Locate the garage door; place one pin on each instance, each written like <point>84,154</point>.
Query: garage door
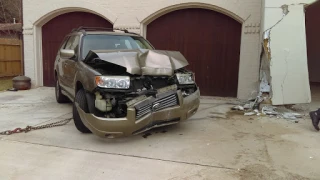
<point>313,39</point>
<point>55,30</point>
<point>209,40</point>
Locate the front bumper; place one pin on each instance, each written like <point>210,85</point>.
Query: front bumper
<point>118,127</point>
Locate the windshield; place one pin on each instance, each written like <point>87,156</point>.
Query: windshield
<point>112,42</point>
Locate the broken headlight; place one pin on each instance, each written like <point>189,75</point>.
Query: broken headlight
<point>185,78</point>
<point>113,82</point>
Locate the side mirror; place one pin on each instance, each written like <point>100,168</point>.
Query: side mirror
<point>67,54</point>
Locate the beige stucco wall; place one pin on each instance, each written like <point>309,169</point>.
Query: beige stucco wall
<point>284,27</point>
<point>135,15</point>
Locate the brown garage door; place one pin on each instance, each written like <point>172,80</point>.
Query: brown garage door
<point>55,30</point>
<point>313,39</point>
<point>209,40</point>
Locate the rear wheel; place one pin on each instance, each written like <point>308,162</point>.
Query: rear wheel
<point>82,101</point>
<point>59,96</point>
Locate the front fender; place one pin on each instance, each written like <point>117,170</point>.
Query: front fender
<point>86,76</point>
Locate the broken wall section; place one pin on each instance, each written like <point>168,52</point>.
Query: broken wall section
<point>285,51</point>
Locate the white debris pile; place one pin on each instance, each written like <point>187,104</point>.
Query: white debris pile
<point>250,105</point>
<point>251,108</point>
<point>271,111</point>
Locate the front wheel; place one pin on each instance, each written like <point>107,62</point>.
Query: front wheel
<point>82,101</point>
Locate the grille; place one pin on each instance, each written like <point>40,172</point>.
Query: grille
<point>166,102</point>
<point>156,105</point>
<point>143,110</point>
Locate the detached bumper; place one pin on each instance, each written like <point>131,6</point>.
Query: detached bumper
<point>130,125</point>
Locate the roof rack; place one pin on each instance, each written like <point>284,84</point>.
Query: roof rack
<point>84,29</point>
<point>133,33</point>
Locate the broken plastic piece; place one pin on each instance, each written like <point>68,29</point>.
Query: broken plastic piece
<point>239,108</point>
<point>250,114</point>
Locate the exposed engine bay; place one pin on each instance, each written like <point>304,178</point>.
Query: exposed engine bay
<point>126,76</point>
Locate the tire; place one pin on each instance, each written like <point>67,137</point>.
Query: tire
<point>59,96</point>
<point>82,101</point>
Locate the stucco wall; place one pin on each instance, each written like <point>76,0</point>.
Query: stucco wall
<point>284,27</point>
<point>134,15</point>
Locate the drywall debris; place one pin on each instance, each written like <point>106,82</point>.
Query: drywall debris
<point>264,84</point>
<point>255,112</point>
<point>269,110</point>
<point>238,108</point>
<point>291,116</point>
<point>251,104</point>
<point>266,44</point>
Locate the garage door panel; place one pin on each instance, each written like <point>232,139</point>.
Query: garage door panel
<point>56,29</point>
<point>209,40</point>
<point>313,38</point>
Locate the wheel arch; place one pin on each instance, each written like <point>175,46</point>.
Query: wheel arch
<point>55,75</point>
<point>78,86</point>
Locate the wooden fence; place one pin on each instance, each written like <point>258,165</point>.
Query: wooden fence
<point>10,57</point>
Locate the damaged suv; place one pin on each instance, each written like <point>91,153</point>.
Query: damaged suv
<point>120,85</point>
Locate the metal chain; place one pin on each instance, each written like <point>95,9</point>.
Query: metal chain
<point>30,128</point>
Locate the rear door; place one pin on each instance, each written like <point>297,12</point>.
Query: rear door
<point>60,65</point>
<point>69,65</point>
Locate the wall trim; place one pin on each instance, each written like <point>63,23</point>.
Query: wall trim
<point>172,8</point>
<point>50,15</point>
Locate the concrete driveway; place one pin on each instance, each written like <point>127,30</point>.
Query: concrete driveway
<point>214,144</point>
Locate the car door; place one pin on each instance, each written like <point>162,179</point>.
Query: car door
<point>60,65</point>
<point>69,65</point>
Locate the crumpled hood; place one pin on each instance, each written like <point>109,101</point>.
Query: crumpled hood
<point>142,62</point>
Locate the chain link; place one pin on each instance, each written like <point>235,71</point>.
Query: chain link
<point>30,128</point>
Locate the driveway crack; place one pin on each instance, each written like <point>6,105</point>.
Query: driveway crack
<point>127,155</point>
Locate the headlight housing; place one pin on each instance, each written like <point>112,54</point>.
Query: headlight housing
<point>185,78</point>
<point>113,82</point>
